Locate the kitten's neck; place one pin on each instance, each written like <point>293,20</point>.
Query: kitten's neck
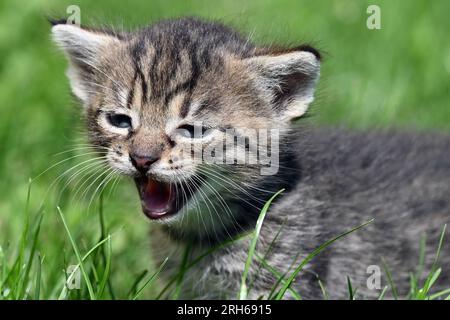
<point>242,209</point>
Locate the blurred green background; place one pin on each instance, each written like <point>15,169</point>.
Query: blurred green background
<point>396,76</point>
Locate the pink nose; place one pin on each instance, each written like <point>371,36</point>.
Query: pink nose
<point>142,163</point>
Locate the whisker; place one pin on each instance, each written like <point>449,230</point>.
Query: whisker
<point>87,147</point>
<point>89,168</point>
<point>103,172</point>
<point>102,185</point>
<point>232,183</point>
<point>222,202</point>
<point>60,162</point>
<point>206,200</point>
<point>64,173</point>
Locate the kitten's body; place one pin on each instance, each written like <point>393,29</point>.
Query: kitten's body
<point>138,88</point>
<point>401,180</point>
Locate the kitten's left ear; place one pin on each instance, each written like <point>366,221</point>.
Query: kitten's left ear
<point>287,79</point>
<point>84,48</point>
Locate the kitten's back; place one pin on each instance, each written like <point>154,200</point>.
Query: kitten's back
<point>401,180</point>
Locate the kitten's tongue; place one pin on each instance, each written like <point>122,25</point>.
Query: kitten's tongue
<point>156,197</point>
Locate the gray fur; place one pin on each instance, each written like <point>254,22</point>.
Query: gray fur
<point>401,180</point>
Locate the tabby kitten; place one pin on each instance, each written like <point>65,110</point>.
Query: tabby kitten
<point>154,97</point>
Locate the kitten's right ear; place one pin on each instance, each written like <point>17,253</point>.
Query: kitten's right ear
<point>287,79</point>
<point>84,49</point>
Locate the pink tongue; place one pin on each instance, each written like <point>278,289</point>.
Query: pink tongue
<point>156,197</point>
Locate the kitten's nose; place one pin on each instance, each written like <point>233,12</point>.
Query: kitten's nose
<point>142,163</point>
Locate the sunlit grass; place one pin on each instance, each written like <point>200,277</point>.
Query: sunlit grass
<point>21,270</point>
<point>396,76</point>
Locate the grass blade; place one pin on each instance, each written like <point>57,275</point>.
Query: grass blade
<point>151,279</point>
<point>390,281</point>
<point>325,294</point>
<point>277,274</point>
<point>432,276</point>
<point>350,289</point>
<point>243,289</point>
<point>273,291</point>
<point>16,270</point>
<point>72,274</point>
<point>24,279</point>
<point>413,282</point>
<point>77,254</point>
<point>422,248</point>
<point>268,252</point>
<point>27,225</point>
<point>182,272</point>
<point>107,271</point>
<point>200,258</point>
<point>439,294</point>
<point>37,290</point>
<point>438,252</point>
<point>382,293</point>
<point>283,290</point>
<point>136,282</point>
<point>104,253</point>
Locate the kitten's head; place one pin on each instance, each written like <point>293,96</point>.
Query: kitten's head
<point>151,95</point>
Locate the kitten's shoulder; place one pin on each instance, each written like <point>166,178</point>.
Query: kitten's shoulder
<point>362,169</point>
<point>343,151</point>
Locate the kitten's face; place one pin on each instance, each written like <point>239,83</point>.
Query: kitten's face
<point>150,128</point>
<point>156,99</point>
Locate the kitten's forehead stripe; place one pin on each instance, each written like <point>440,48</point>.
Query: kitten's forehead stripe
<point>131,92</point>
<point>181,52</point>
<point>143,84</point>
<point>184,108</point>
<point>176,105</point>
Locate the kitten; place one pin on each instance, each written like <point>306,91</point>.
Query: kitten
<point>155,98</point>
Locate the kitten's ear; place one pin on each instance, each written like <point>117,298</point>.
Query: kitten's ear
<point>84,49</point>
<point>287,79</point>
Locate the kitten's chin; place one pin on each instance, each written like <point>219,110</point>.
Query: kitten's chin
<point>161,200</point>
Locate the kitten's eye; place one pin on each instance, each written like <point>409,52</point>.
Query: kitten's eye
<point>119,120</point>
<point>192,131</point>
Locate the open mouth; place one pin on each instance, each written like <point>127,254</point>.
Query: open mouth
<point>160,199</point>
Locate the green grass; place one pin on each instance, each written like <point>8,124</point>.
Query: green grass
<point>397,76</point>
<point>21,275</point>
<point>252,248</point>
